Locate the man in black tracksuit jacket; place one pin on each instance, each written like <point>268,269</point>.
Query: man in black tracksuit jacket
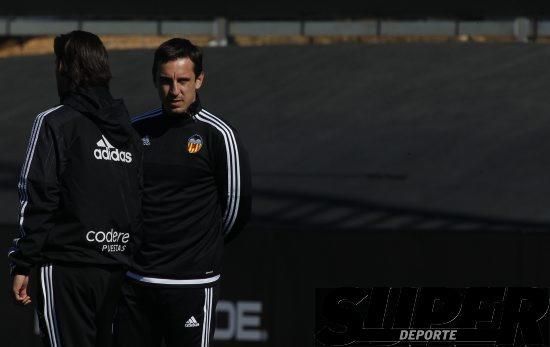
<point>80,200</point>
<point>197,193</point>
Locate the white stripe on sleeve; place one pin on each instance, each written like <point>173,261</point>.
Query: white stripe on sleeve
<point>233,167</point>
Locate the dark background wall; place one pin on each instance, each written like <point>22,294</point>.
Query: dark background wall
<point>373,165</point>
<point>283,9</point>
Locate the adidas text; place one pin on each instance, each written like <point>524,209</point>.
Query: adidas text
<point>109,152</point>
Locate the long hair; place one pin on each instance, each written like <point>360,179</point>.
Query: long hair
<point>82,60</point>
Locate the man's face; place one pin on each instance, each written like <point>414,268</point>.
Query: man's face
<point>177,85</point>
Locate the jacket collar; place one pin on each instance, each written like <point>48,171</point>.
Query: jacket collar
<point>193,109</point>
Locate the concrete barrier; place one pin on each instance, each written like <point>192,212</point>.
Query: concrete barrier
<point>364,27</point>
<point>543,28</point>
<point>41,27</point>
<point>3,26</point>
<point>257,28</point>
<point>521,28</point>
<point>186,28</point>
<point>121,27</point>
<point>492,28</point>
<point>435,28</point>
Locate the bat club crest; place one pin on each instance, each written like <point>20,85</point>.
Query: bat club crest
<point>194,144</point>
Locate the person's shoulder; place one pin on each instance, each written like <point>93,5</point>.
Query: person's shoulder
<point>143,121</point>
<point>55,116</point>
<point>146,116</point>
<point>215,122</point>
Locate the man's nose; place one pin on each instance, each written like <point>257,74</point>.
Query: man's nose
<point>174,88</point>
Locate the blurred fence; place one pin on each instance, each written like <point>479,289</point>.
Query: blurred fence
<point>520,28</point>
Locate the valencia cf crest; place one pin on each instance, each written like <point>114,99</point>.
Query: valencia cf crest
<point>194,144</point>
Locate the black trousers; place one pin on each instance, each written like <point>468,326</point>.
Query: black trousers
<point>76,304</point>
<point>180,316</point>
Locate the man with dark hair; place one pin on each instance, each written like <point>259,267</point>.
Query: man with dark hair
<point>80,197</point>
<point>197,194</point>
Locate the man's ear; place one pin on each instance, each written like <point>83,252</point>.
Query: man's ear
<point>199,80</point>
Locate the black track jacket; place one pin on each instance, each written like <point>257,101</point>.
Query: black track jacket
<point>80,185</point>
<point>197,193</point>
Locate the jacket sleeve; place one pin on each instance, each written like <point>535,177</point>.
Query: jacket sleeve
<point>233,181</point>
<point>38,196</point>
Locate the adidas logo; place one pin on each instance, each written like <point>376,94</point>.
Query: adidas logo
<point>106,151</point>
<point>191,323</point>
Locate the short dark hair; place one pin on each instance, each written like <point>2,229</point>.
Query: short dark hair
<point>175,49</point>
<point>84,60</point>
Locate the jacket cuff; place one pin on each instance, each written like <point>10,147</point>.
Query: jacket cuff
<point>20,270</point>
